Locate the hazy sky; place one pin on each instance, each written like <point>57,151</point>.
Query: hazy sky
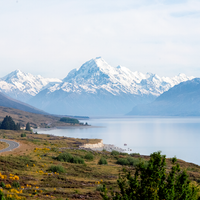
<point>51,37</point>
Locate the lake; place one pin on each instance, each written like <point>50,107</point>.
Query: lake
<point>178,137</point>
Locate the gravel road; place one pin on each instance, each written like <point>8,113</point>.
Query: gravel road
<point>12,145</point>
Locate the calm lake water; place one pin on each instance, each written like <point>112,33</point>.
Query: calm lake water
<point>178,137</point>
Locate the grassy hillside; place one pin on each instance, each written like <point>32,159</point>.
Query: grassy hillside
<point>41,175</point>
<point>36,120</point>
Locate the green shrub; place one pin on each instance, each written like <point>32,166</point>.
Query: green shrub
<point>2,195</point>
<point>130,161</point>
<point>77,160</point>
<point>122,161</point>
<point>57,168</point>
<point>67,157</point>
<point>89,156</point>
<point>134,154</point>
<point>2,184</point>
<point>102,161</point>
<point>114,153</point>
<point>23,135</point>
<point>134,161</point>
<point>16,184</point>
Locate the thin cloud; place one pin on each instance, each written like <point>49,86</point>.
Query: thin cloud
<point>148,36</point>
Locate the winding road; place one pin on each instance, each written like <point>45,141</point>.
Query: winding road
<point>12,145</point>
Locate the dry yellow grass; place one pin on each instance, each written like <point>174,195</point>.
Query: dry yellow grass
<point>3,145</point>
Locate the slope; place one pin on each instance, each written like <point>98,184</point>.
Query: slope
<point>6,101</point>
<point>181,100</point>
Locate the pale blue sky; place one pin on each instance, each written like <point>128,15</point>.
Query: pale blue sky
<point>51,37</point>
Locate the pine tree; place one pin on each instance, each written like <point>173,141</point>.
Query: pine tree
<point>8,123</point>
<point>17,126</point>
<point>28,128</point>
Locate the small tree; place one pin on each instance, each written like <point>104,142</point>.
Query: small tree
<point>17,126</point>
<point>152,182</point>
<point>28,128</point>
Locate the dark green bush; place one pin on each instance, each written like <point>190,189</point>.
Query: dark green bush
<point>2,184</point>
<point>57,168</point>
<point>114,153</point>
<point>77,160</point>
<point>134,154</point>
<point>134,161</point>
<point>130,161</point>
<point>122,161</point>
<point>67,157</point>
<point>23,135</point>
<point>89,156</point>
<point>2,195</point>
<point>16,184</point>
<point>102,161</point>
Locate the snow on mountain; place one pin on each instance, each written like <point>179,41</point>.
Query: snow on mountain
<point>181,100</point>
<point>22,86</point>
<point>97,88</point>
<point>98,74</point>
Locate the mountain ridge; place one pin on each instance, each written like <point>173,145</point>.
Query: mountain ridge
<point>22,86</point>
<point>9,102</point>
<point>181,100</point>
<point>96,88</point>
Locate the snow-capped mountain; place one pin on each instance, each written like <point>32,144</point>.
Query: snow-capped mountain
<point>181,100</point>
<point>97,74</point>
<point>22,86</point>
<point>97,88</point>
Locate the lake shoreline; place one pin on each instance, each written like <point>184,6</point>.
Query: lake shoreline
<point>65,127</point>
<point>173,136</point>
<point>107,147</point>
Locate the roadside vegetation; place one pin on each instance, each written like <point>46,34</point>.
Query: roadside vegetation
<point>51,167</point>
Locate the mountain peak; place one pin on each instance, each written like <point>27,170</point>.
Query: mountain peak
<point>90,70</point>
<point>14,74</point>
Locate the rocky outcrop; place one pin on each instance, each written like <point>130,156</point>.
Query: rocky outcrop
<point>91,146</point>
